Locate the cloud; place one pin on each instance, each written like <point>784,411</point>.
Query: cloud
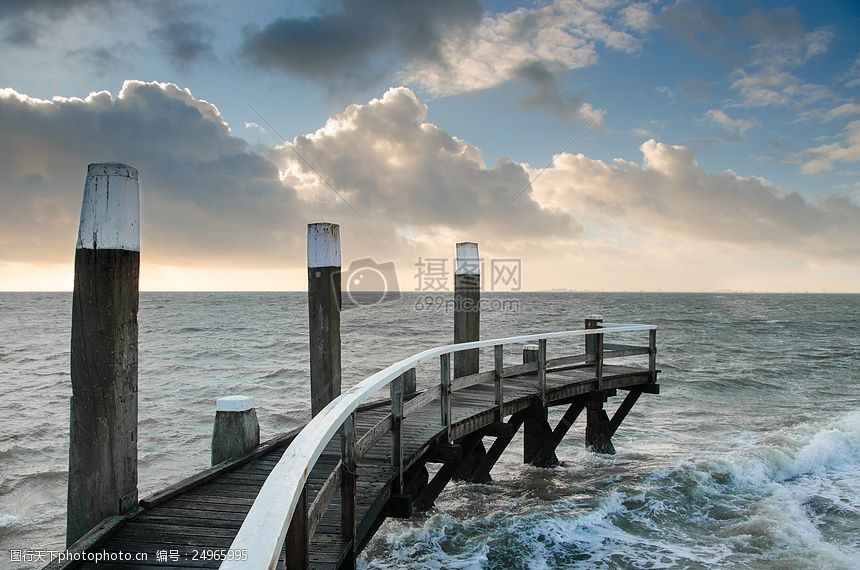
<point>254,126</point>
<point>184,42</point>
<point>670,193</point>
<point>392,165</point>
<point>844,110</point>
<point>821,158</point>
<point>559,36</point>
<point>205,194</point>
<point>549,94</point>
<point>738,125</point>
<point>357,42</point>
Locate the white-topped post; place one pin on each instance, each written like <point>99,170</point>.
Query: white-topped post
<point>324,303</point>
<point>103,407</point>
<point>236,429</point>
<point>467,307</point>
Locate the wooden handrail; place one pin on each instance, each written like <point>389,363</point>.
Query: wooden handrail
<point>265,528</point>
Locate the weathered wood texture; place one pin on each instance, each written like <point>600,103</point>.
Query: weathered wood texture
<point>103,407</point>
<point>233,434</point>
<point>324,302</point>
<point>467,321</point>
<point>209,512</point>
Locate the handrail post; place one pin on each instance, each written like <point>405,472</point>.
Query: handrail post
<point>445,381</point>
<point>542,369</point>
<point>297,534</point>
<point>598,362</point>
<point>652,354</point>
<point>396,389</point>
<point>499,357</point>
<point>347,484</point>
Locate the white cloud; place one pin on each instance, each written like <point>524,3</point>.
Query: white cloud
<point>721,118</point>
<point>844,110</point>
<point>561,35</point>
<point>638,17</point>
<point>670,193</point>
<point>250,125</point>
<point>821,158</point>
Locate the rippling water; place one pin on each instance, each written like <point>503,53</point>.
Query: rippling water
<point>750,457</point>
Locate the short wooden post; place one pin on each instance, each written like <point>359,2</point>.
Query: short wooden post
<point>445,382</point>
<point>324,303</point>
<point>541,372</point>
<point>467,307</point>
<point>499,361</point>
<point>591,322</point>
<point>103,407</point>
<point>236,428</point>
<point>396,389</point>
<point>652,354</point>
<point>347,487</point>
<point>410,382</point>
<point>296,542</point>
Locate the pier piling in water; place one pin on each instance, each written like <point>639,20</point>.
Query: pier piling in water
<point>103,407</point>
<point>236,429</point>
<point>597,425</point>
<point>536,428</point>
<point>324,303</point>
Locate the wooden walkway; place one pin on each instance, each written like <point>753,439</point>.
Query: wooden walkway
<point>204,513</point>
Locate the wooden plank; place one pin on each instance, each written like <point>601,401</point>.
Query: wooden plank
<point>218,470</point>
<point>91,540</point>
<point>566,361</point>
<point>296,542</point>
<point>458,384</point>
<point>369,439</point>
<point>418,402</point>
<point>323,498</point>
<point>519,369</point>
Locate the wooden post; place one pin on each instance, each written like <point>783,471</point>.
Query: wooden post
<point>536,429</point>
<point>596,418</point>
<point>410,382</point>
<point>445,381</point>
<point>347,488</point>
<point>541,372</point>
<point>296,542</point>
<point>652,354</point>
<point>499,361</point>
<point>396,389</point>
<point>324,302</point>
<point>467,307</point>
<point>103,407</point>
<point>236,428</point>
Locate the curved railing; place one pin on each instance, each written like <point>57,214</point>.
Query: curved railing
<point>262,535</point>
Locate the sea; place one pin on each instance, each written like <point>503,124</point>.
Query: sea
<point>748,458</point>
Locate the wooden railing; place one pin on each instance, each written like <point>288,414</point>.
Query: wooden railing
<point>281,504</point>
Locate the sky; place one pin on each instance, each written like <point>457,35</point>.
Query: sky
<point>602,145</point>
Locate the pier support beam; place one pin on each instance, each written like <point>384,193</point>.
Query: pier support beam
<point>236,428</point>
<point>467,307</point>
<point>324,303</point>
<point>536,428</point>
<point>598,429</point>
<point>103,407</point>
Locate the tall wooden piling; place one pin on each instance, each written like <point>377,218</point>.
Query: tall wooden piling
<point>467,307</point>
<point>103,407</point>
<point>236,428</point>
<point>324,303</point>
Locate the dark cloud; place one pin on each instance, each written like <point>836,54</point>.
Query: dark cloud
<point>357,41</point>
<point>185,42</point>
<point>204,192</point>
<point>180,35</point>
<point>549,94</point>
<point>103,59</point>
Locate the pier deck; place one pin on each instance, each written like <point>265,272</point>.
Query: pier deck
<point>204,512</point>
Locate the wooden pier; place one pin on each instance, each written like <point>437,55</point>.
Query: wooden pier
<point>314,497</point>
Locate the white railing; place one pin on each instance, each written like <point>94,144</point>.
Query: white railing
<point>261,537</point>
